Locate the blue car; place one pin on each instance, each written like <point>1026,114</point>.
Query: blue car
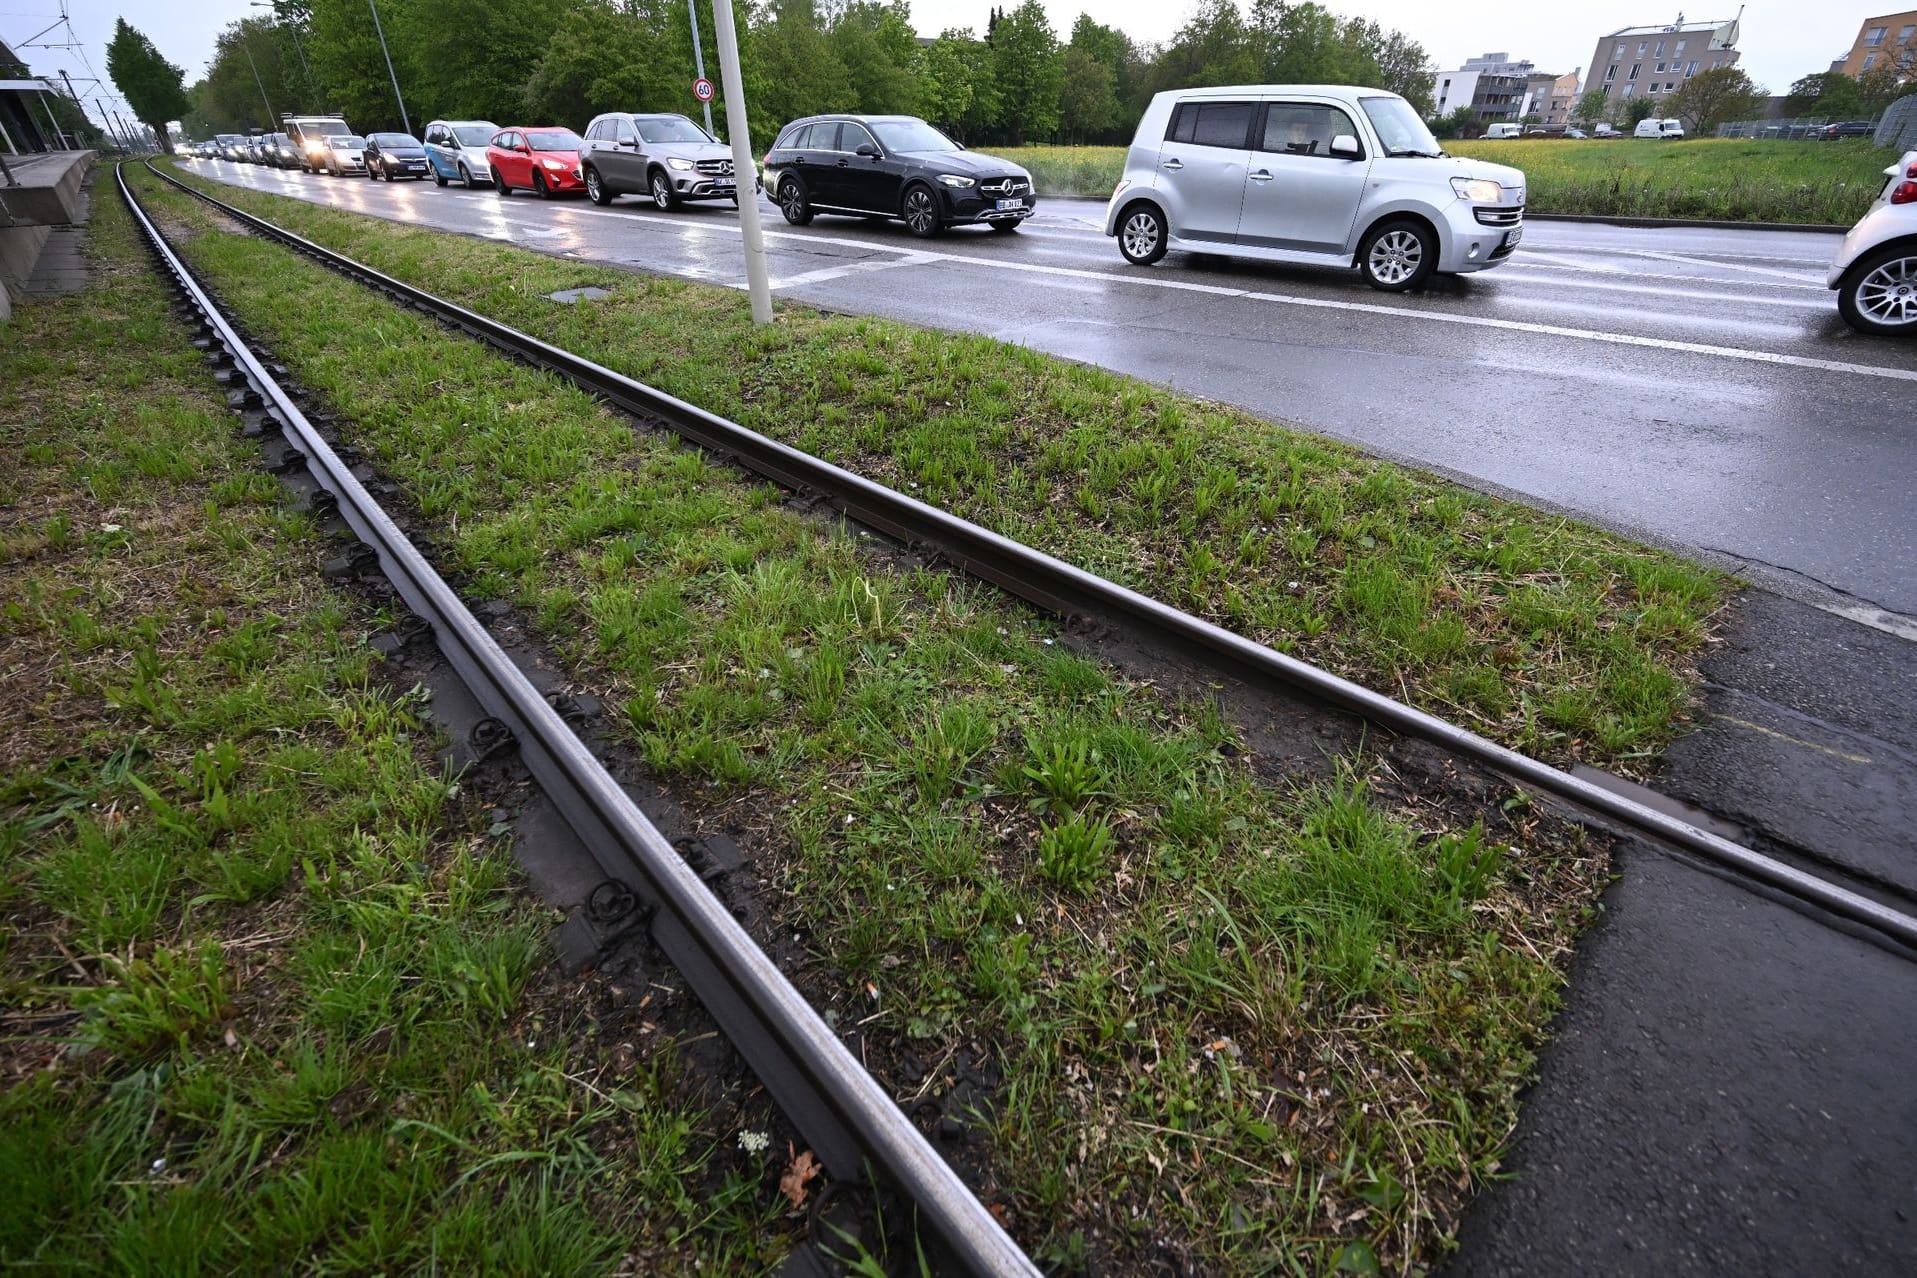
<point>456,151</point>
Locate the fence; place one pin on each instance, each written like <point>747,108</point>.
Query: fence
<point>1796,128</point>
<point>1898,128</point>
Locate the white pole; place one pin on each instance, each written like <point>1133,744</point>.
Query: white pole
<point>698,54</point>
<point>757,285</point>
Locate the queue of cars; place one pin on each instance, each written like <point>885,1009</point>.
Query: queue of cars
<point>1323,175</point>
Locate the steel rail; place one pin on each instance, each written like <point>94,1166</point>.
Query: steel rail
<point>852,1124</point>
<point>1062,588</point>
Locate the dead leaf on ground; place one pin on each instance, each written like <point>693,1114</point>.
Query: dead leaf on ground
<point>798,1173</point>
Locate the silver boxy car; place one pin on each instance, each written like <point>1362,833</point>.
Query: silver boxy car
<point>456,151</point>
<point>1324,175</point>
<point>667,157</point>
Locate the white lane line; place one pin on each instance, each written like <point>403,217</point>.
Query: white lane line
<point>1143,279</point>
<point>1529,259</point>
<point>1799,277</point>
<point>1514,271</point>
<point>826,274</point>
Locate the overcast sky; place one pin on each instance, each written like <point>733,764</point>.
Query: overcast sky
<point>1782,39</point>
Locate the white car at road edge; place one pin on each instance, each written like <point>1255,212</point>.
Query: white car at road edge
<point>1875,271</point>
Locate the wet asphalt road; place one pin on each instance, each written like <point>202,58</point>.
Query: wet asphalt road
<point>1729,1086</point>
<point>1691,387</point>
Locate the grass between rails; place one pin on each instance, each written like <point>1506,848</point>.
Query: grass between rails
<point>1262,1024</point>
<point>1543,633</point>
<point>270,998</point>
<point>1708,178</point>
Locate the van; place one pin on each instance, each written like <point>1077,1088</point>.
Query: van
<point>1325,175</point>
<point>1498,132</point>
<point>1602,130</point>
<point>1654,128</point>
<point>308,134</point>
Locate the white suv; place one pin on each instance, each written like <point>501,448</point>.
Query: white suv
<point>1325,175</point>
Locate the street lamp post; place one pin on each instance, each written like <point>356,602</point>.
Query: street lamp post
<point>389,67</point>
<point>270,117</point>
<point>758,288</point>
<point>698,54</point>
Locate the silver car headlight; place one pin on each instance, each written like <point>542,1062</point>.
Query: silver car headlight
<point>683,165</point>
<point>957,179</point>
<point>1477,190</point>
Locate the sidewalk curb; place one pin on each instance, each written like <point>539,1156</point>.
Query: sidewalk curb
<point>1702,224</point>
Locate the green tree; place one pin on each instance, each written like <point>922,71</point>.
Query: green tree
<point>1028,69</point>
<point>150,84</point>
<point>796,70</point>
<point>1877,88</point>
<point>880,53</point>
<point>471,58</point>
<point>1087,100</point>
<point>600,57</point>
<point>1635,110</point>
<point>1595,105</point>
<point>348,68</point>
<point>1715,97</point>
<point>1113,50</point>
<point>950,79</point>
<point>1831,94</point>
<point>1213,47</point>
<point>1459,123</point>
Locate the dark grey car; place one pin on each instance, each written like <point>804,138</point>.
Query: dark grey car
<point>665,157</point>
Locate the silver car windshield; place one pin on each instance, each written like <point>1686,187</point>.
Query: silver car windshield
<point>347,141</point>
<point>476,136</point>
<point>671,129</point>
<point>1399,127</point>
<point>912,136</point>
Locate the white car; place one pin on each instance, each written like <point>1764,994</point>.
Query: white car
<point>345,153</point>
<point>1875,271</point>
<point>1324,175</point>
<point>1653,128</point>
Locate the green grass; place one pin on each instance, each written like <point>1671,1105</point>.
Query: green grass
<point>1264,1020</point>
<point>1544,633</point>
<point>272,999</point>
<point>1707,178</point>
<point>1729,179</point>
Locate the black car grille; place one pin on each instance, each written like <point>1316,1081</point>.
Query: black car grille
<point>1503,218</point>
<point>715,168</point>
<point>1004,186</point>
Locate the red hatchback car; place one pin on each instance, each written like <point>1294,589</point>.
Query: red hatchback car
<point>542,160</point>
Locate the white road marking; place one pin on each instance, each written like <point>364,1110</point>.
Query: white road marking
<point>1134,277</point>
<point>828,273</point>
<point>1515,271</point>
<point>1528,260</point>
<point>1891,623</point>
<point>1798,277</point>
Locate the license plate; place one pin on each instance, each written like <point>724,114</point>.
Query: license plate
<point>1511,238</point>
<point>1011,204</point>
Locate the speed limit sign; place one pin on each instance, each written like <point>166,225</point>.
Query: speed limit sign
<point>702,89</point>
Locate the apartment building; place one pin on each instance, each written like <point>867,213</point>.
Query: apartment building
<point>1654,61</point>
<point>1553,97</point>
<point>1889,40</point>
<point>1496,87</point>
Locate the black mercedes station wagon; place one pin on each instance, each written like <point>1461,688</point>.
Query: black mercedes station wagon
<point>892,166</point>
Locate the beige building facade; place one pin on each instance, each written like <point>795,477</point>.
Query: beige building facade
<point>1655,61</point>
<point>1886,41</point>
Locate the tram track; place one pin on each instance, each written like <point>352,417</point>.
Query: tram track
<point>853,1126</point>
<point>1090,601</point>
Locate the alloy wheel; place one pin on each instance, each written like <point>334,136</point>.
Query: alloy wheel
<point>661,191</point>
<point>1888,295</point>
<point>920,215</point>
<point>1395,257</point>
<point>593,191</point>
<point>1141,234</point>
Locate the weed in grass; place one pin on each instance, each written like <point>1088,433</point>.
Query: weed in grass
<point>156,1002</point>
<point>1073,853</point>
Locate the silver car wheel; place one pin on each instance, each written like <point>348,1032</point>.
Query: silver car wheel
<point>1141,234</point>
<point>661,191</point>
<point>592,185</point>
<point>1888,295</point>
<point>1395,257</point>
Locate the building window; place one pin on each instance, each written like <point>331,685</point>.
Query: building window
<point>1678,52</point>
<point>1660,68</point>
<point>1627,90</point>
<point>1669,85</point>
<point>1642,45</point>
<point>1693,70</point>
<point>1660,50</point>
<point>1875,36</point>
<point>1903,36</point>
<point>1618,52</point>
<point>1635,68</point>
<point>1868,59</point>
<point>1610,73</point>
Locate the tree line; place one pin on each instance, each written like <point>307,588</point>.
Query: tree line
<point>1012,80</point>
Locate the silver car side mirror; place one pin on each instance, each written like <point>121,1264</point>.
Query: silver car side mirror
<point>1346,145</point>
